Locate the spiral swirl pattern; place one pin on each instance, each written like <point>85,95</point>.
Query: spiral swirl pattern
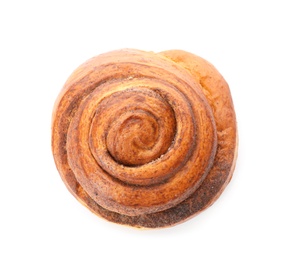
<point>135,137</point>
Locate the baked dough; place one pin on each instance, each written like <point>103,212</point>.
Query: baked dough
<point>145,139</point>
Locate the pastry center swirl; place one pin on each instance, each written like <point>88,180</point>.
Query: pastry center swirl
<point>136,128</point>
<point>142,130</point>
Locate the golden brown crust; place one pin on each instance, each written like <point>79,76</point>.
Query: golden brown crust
<point>144,139</point>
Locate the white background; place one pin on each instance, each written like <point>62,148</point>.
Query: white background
<point>42,42</point>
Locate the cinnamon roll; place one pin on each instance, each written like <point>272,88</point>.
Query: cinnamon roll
<point>145,139</point>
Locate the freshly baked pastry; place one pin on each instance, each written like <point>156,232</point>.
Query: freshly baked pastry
<point>145,139</point>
